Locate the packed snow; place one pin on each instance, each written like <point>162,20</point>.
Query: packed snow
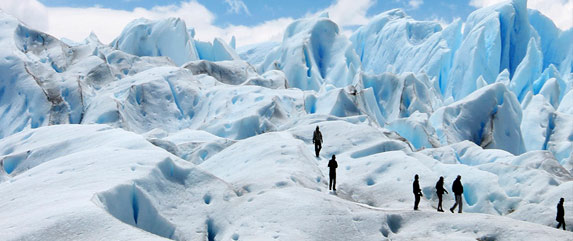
<point>161,136</point>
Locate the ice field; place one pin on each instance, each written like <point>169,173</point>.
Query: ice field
<point>157,135</point>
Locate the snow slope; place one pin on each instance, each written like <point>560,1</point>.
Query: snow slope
<point>160,136</point>
<point>146,187</point>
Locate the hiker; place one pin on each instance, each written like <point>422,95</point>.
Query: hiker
<point>458,189</point>
<point>417,192</point>
<point>440,191</point>
<point>332,164</point>
<point>560,214</point>
<point>317,141</point>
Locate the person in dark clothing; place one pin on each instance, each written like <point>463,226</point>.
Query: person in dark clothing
<point>332,164</point>
<point>440,191</point>
<point>417,192</point>
<point>317,141</point>
<point>560,214</point>
<point>458,190</point>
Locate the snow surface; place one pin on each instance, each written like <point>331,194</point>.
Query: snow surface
<point>160,136</point>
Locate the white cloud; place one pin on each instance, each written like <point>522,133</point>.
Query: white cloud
<point>268,31</point>
<point>349,12</point>
<point>560,11</point>
<point>415,3</point>
<point>236,6</point>
<point>77,23</point>
<point>30,12</point>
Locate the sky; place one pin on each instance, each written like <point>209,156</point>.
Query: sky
<point>250,21</point>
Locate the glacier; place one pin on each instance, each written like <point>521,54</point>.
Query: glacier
<point>313,52</point>
<point>170,38</point>
<point>158,135</point>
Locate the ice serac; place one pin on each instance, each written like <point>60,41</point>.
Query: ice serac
<point>163,97</point>
<point>274,79</point>
<point>394,42</point>
<point>566,105</point>
<point>551,85</point>
<point>398,96</point>
<point>124,65</point>
<point>560,140</point>
<point>44,81</point>
<point>467,153</point>
<point>337,103</point>
<point>489,117</point>
<point>537,123</point>
<point>416,129</point>
<point>238,72</point>
<point>239,112</point>
<point>556,44</point>
<point>228,72</point>
<point>23,102</point>
<point>255,54</point>
<point>216,51</point>
<point>527,71</point>
<point>495,38</point>
<point>477,56</point>
<point>314,52</point>
<point>168,37</point>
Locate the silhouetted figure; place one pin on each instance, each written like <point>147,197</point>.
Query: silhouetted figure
<point>417,192</point>
<point>317,141</point>
<point>440,191</point>
<point>560,214</point>
<point>332,164</point>
<point>458,190</point>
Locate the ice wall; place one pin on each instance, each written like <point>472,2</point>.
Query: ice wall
<point>216,51</point>
<point>170,38</point>
<point>167,37</point>
<point>394,42</point>
<point>489,117</point>
<point>313,53</point>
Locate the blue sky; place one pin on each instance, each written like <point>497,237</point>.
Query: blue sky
<point>264,10</point>
<point>250,21</point>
